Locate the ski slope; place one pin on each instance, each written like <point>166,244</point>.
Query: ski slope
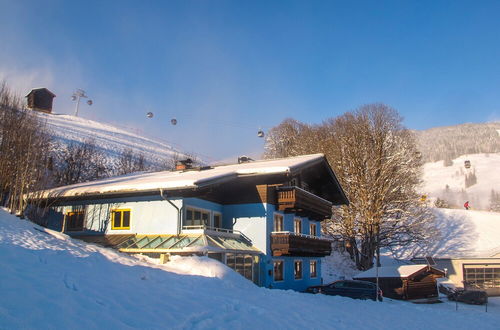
<point>50,281</point>
<point>486,167</point>
<point>66,129</point>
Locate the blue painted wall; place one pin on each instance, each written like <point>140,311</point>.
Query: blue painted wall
<point>147,215</point>
<point>289,282</point>
<point>251,220</point>
<point>153,215</point>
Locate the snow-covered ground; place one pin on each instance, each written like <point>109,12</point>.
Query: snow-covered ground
<point>50,281</point>
<point>112,140</point>
<point>486,167</point>
<point>459,233</point>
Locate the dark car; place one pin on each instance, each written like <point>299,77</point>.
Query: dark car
<point>348,288</point>
<point>474,297</point>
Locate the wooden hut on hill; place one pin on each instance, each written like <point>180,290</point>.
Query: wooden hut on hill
<point>405,282</point>
<point>40,99</point>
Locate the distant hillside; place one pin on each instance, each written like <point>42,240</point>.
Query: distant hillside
<point>66,130</point>
<point>453,183</point>
<point>450,142</point>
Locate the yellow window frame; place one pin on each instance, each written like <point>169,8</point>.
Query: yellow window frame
<point>72,213</point>
<point>121,227</point>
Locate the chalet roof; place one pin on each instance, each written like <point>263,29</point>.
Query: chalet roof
<point>39,89</point>
<point>191,179</point>
<point>405,271</point>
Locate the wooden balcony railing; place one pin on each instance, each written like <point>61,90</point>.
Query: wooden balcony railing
<point>302,202</point>
<point>290,244</point>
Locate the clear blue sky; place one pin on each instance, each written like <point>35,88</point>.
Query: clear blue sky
<point>226,68</point>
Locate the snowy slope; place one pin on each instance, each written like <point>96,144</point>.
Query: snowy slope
<point>486,168</point>
<point>50,281</point>
<point>460,233</point>
<point>112,140</point>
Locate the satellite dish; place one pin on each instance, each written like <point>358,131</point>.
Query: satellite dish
<point>260,133</point>
<point>89,102</point>
<point>73,98</point>
<point>149,115</point>
<point>173,121</point>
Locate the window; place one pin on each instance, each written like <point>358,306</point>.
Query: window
<point>297,226</point>
<point>483,277</point>
<point>120,219</point>
<point>278,270</point>
<point>312,229</point>
<point>196,217</point>
<point>313,269</point>
<point>217,220</point>
<point>278,222</point>
<point>297,269</point>
<point>74,221</point>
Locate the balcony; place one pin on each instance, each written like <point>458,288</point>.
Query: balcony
<point>303,203</point>
<point>203,229</point>
<point>285,243</point>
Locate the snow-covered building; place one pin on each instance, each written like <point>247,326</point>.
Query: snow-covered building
<point>405,281</point>
<point>261,218</point>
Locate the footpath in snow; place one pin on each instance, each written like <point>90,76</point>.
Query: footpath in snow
<point>50,281</point>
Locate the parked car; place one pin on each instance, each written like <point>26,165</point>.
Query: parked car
<point>474,297</point>
<point>348,288</point>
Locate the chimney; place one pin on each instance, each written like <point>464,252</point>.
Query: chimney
<point>244,159</point>
<point>185,164</point>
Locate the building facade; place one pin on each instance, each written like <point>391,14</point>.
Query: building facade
<point>262,218</point>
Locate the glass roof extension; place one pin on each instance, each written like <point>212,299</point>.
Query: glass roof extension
<point>186,243</point>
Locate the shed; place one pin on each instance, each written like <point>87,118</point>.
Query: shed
<point>405,282</point>
<point>40,99</point>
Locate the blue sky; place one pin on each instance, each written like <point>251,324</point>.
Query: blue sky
<point>224,69</point>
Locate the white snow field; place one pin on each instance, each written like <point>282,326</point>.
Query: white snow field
<point>50,281</point>
<point>486,168</point>
<point>461,233</point>
<point>111,139</point>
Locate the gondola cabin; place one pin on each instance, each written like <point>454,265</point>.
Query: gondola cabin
<point>40,99</point>
<point>467,164</point>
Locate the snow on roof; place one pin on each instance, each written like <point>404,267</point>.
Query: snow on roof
<point>398,271</point>
<point>170,180</point>
<point>40,88</point>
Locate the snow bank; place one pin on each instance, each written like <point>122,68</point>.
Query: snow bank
<point>50,281</point>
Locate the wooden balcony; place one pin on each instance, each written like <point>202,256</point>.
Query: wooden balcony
<point>303,203</point>
<point>290,244</point>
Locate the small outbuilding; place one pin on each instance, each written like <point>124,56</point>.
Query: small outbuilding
<point>40,99</point>
<point>405,282</point>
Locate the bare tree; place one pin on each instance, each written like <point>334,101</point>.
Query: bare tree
<point>24,150</point>
<point>80,162</point>
<point>130,162</point>
<point>378,164</point>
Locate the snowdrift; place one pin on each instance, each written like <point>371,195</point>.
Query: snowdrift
<point>50,281</point>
